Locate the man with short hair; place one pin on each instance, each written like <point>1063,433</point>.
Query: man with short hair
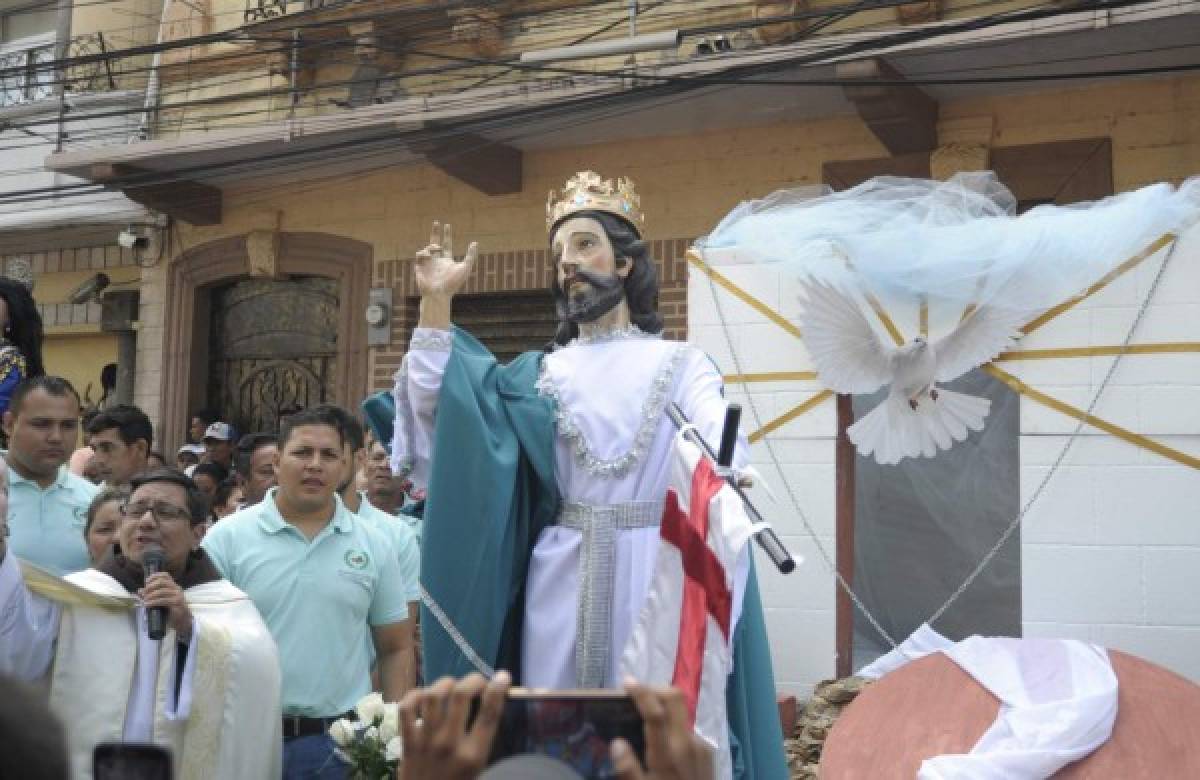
<point>385,491</point>
<point>122,437</point>
<point>315,570</point>
<point>208,690</point>
<point>402,538</point>
<point>47,509</point>
<point>256,464</point>
<point>218,445</point>
<point>198,424</point>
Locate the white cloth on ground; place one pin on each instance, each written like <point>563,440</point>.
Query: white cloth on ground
<point>603,388</point>
<point>1058,702</point>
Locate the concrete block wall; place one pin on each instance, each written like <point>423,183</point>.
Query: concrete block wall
<point>795,462</point>
<point>1111,551</point>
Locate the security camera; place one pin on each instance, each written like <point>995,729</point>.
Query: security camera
<point>130,240</point>
<point>89,289</point>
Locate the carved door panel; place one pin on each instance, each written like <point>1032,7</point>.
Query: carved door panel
<point>274,349</point>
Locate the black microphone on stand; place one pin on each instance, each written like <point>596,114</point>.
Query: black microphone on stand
<point>153,561</point>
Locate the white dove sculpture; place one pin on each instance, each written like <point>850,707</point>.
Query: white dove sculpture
<point>917,418</point>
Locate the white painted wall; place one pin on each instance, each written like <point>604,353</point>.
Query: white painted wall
<point>22,158</point>
<point>1111,550</point>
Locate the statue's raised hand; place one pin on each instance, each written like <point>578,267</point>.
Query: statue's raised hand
<point>437,273</point>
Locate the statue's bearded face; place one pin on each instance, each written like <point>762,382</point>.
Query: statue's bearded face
<point>587,270</point>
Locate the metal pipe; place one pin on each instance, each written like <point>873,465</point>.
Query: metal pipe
<point>294,72</point>
<point>766,538</point>
<point>152,85</point>
<point>126,365</point>
<point>649,42</point>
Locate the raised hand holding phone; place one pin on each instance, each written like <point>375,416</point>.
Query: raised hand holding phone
<point>673,751</point>
<point>433,724</point>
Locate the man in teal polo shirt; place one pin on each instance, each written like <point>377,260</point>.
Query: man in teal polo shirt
<point>47,506</point>
<point>325,582</point>
<point>398,533</point>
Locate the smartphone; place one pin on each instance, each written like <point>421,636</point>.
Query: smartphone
<point>130,761</point>
<point>574,727</point>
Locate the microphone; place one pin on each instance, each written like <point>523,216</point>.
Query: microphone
<point>153,562</point>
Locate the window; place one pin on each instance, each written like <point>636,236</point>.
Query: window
<point>27,39</point>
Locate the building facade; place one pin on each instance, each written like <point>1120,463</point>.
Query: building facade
<point>60,232</point>
<point>344,132</point>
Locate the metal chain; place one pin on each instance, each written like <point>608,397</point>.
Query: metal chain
<point>829,564</point>
<point>487,671</point>
<point>1016,522</point>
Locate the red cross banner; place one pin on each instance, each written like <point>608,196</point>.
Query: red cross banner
<point>683,636</point>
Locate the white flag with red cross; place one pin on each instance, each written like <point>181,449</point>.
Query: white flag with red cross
<point>683,636</point>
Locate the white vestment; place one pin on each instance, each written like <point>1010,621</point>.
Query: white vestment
<point>609,398</point>
<point>109,682</point>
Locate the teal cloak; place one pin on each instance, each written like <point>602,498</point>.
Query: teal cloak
<point>491,492</point>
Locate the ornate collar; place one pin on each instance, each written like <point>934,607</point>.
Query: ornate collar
<point>614,333</point>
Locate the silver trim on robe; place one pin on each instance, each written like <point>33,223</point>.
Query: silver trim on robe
<point>597,564</point>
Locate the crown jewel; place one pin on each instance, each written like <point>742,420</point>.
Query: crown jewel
<point>586,191</point>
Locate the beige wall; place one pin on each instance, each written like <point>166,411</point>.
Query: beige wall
<point>687,182</point>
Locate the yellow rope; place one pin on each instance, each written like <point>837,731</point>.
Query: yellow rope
<point>1121,433</point>
<point>694,258</point>
<point>776,376</point>
<point>787,417</point>
<point>1161,348</point>
<point>1104,281</point>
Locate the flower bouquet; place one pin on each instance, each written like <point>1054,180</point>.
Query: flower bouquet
<point>370,745</point>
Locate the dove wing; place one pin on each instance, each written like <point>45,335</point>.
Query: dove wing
<point>847,352</point>
<point>978,339</point>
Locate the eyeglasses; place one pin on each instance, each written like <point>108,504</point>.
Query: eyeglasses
<point>162,511</point>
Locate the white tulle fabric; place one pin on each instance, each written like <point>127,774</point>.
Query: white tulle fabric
<point>957,241</point>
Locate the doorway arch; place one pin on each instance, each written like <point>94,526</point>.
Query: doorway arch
<point>190,282</point>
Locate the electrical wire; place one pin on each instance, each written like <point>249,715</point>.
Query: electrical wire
<point>466,62</point>
<point>703,82</point>
<point>283,91</point>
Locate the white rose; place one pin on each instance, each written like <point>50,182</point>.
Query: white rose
<point>394,750</point>
<point>369,708</point>
<point>342,732</point>
<point>389,727</point>
<point>371,733</point>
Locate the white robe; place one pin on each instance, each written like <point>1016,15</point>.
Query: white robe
<point>603,388</point>
<point>109,682</point>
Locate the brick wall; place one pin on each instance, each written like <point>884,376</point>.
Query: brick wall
<point>522,269</point>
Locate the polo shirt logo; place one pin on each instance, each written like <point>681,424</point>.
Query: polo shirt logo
<point>356,559</point>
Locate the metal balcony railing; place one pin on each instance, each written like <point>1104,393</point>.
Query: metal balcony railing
<point>262,10</point>
<point>31,74</point>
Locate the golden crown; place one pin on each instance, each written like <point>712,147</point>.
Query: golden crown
<point>586,191</point>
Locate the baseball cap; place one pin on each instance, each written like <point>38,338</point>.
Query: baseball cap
<point>195,449</point>
<point>219,430</point>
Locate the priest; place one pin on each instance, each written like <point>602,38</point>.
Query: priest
<point>207,690</point>
<point>546,477</point>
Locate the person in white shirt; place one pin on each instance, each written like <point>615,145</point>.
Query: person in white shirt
<point>208,689</point>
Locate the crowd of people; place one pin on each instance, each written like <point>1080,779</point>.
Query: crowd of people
<point>247,554</point>
<point>236,606</point>
<point>305,528</point>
